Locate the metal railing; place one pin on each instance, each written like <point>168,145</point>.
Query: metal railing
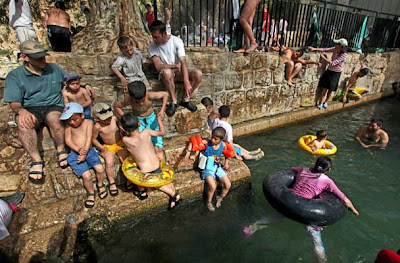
<point>279,23</point>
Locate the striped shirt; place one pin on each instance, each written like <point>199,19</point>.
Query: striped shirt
<point>337,59</point>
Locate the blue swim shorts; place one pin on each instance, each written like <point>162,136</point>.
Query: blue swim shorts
<point>150,122</point>
<point>92,159</point>
<point>216,172</point>
<point>238,151</point>
<point>88,114</point>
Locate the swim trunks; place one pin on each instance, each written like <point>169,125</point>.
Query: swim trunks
<point>150,122</point>
<point>60,38</point>
<point>116,147</point>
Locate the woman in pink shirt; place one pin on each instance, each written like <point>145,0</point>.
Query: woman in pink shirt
<point>310,182</point>
<point>330,79</point>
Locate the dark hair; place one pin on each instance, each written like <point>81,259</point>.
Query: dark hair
<point>224,111</point>
<point>124,41</point>
<point>301,51</point>
<point>323,164</point>
<point>137,90</point>
<point>377,121</point>
<point>364,71</point>
<point>344,50</point>
<point>206,101</point>
<point>60,5</point>
<point>219,132</point>
<point>157,25</point>
<point>129,122</point>
<point>147,5</point>
<point>321,134</point>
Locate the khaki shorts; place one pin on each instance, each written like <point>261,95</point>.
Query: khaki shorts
<point>25,33</point>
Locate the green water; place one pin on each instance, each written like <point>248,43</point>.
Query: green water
<point>370,178</point>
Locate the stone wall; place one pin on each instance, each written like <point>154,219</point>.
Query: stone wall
<point>253,85</point>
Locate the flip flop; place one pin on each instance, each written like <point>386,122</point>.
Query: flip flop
<point>62,159</point>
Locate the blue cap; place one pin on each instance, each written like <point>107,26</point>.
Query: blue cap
<point>71,76</point>
<point>70,109</point>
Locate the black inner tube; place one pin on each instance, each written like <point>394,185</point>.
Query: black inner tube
<point>325,210</point>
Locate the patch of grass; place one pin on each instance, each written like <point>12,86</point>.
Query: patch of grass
<point>5,52</point>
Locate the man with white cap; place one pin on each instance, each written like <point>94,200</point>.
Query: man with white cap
<point>33,91</point>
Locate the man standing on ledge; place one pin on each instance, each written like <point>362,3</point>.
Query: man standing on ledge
<point>373,135</point>
<point>168,55</point>
<point>33,91</point>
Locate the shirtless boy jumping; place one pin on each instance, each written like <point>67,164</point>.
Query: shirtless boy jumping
<point>372,134</point>
<point>142,106</point>
<point>107,128</point>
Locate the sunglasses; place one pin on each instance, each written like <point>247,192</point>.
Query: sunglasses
<point>104,111</point>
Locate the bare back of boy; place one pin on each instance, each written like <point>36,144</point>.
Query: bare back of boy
<point>142,150</point>
<point>81,97</point>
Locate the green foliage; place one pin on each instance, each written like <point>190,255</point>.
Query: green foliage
<point>4,52</point>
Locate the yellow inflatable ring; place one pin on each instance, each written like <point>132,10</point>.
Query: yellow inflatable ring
<point>133,174</point>
<point>306,139</point>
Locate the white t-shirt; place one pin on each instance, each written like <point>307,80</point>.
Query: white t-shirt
<point>5,218</point>
<point>169,52</point>
<point>19,14</point>
<point>228,128</point>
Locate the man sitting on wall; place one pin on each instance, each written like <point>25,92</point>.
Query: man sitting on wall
<point>168,55</point>
<point>33,91</point>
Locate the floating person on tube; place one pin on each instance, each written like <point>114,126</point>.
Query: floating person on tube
<point>310,183</point>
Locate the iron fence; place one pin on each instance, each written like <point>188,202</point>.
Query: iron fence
<point>279,23</point>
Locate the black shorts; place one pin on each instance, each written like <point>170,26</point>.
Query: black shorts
<point>60,38</point>
<point>329,80</point>
<point>40,112</point>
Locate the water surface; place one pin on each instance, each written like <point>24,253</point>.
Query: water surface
<point>369,177</point>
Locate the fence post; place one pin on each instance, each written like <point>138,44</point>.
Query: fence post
<point>155,10</point>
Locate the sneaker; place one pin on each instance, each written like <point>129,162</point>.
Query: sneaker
<point>210,206</point>
<point>189,105</point>
<point>319,106</point>
<point>259,156</point>
<point>325,105</point>
<point>171,108</point>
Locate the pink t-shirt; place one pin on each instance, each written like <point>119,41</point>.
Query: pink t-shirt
<point>309,185</point>
<point>337,59</point>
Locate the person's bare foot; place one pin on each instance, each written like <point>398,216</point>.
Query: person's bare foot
<point>240,50</point>
<point>252,48</point>
<point>291,84</point>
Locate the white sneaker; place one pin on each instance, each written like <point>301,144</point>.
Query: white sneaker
<point>259,156</point>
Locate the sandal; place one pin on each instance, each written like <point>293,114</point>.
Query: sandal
<point>113,192</point>
<point>35,173</point>
<point>62,159</point>
<point>210,206</point>
<point>102,194</point>
<point>219,201</point>
<point>139,194</point>
<point>173,200</point>
<point>89,203</point>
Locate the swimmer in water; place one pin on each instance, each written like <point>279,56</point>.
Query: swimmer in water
<point>373,135</point>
